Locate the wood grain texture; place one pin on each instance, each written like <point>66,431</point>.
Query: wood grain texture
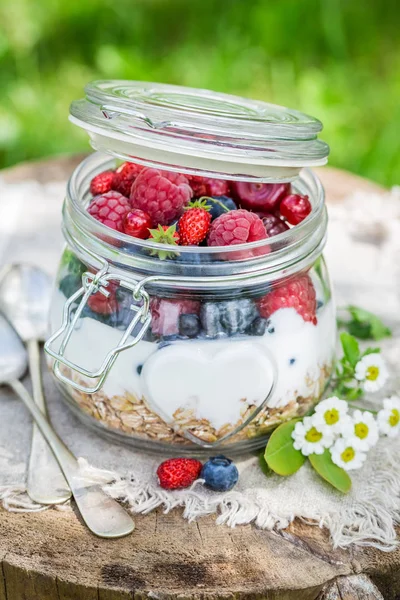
<point>51,555</point>
<point>349,588</point>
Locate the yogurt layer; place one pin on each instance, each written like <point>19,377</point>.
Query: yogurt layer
<point>217,380</point>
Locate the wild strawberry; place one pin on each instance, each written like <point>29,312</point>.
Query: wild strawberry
<point>161,194</point>
<point>102,183</point>
<point>177,473</point>
<point>295,208</point>
<point>110,209</point>
<point>124,177</point>
<point>164,235</point>
<point>259,197</point>
<point>194,223</point>
<point>137,223</point>
<point>297,293</point>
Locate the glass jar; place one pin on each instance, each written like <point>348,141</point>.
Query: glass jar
<point>186,348</point>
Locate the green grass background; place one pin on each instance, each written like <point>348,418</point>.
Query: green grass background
<point>336,59</point>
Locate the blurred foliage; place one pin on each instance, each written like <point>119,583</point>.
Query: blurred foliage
<point>336,59</point>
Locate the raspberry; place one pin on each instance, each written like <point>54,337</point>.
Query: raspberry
<point>178,473</point>
<point>273,224</point>
<point>102,305</point>
<point>124,177</point>
<point>262,197</point>
<point>203,186</point>
<point>161,194</point>
<point>137,224</point>
<point>110,209</point>
<point>198,185</point>
<point>236,227</point>
<point>217,187</point>
<point>102,183</point>
<point>165,314</point>
<point>295,208</point>
<point>297,293</point>
<point>194,223</point>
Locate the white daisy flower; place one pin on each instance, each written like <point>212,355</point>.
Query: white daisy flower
<point>345,455</point>
<point>331,415</point>
<point>371,371</point>
<point>389,417</point>
<point>309,439</point>
<point>362,430</point>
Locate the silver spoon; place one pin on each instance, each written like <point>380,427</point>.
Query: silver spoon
<point>25,293</point>
<point>103,515</point>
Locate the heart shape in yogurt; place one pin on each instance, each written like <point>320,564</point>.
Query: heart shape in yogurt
<point>208,390</point>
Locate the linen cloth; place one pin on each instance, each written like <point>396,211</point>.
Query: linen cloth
<point>363,255</point>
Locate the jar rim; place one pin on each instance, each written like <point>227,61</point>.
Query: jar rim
<point>285,248</point>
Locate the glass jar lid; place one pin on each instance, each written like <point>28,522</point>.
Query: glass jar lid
<point>198,131</point>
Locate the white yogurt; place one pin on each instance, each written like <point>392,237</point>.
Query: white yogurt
<point>216,379</point>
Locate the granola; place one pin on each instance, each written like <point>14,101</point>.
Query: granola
<point>133,416</point>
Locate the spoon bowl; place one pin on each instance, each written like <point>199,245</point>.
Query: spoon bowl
<point>13,356</point>
<point>25,293</point>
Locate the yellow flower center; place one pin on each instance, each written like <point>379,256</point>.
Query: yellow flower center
<point>394,418</point>
<point>331,416</point>
<point>313,435</point>
<point>348,454</point>
<point>361,430</point>
<point>372,373</point>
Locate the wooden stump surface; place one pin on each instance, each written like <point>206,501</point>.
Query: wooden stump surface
<point>51,555</point>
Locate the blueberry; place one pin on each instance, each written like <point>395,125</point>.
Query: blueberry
<point>319,304</point>
<point>237,315</point>
<point>257,327</point>
<point>139,369</point>
<point>217,207</point>
<point>210,320</point>
<point>189,325</point>
<point>292,361</point>
<point>70,284</point>
<point>219,473</point>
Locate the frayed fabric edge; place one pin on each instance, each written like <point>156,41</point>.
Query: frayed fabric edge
<point>369,521</point>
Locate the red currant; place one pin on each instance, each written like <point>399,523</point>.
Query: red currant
<point>295,208</point>
<point>137,224</point>
<point>104,305</point>
<point>273,224</point>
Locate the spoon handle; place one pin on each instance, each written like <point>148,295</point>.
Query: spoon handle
<point>103,515</point>
<point>46,482</point>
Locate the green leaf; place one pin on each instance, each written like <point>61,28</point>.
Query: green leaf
<point>353,393</point>
<point>337,477</point>
<point>361,331</point>
<point>280,455</point>
<point>263,465</point>
<point>367,324</point>
<point>371,351</point>
<point>350,348</point>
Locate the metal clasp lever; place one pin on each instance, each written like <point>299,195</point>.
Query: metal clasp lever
<point>92,283</point>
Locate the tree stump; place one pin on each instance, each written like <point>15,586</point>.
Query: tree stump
<point>51,555</point>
